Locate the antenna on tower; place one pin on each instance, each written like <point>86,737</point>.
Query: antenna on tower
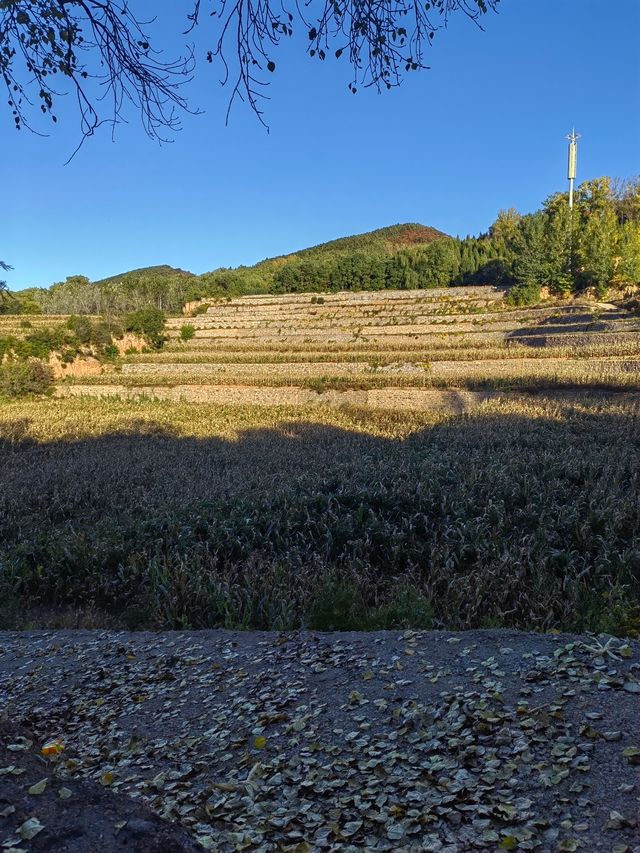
<point>572,170</point>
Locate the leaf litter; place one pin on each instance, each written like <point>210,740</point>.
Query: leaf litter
<point>394,741</point>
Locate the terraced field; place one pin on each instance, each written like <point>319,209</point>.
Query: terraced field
<point>408,349</point>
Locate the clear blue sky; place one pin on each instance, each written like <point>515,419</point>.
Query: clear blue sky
<point>483,130</point>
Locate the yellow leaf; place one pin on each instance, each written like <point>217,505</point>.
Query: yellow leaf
<point>509,842</point>
<point>53,747</point>
<point>260,742</point>
<point>107,778</point>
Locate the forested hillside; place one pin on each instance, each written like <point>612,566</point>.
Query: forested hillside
<point>597,246</point>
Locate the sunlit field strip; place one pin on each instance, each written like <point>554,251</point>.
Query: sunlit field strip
<point>615,376</point>
<point>438,368</point>
<point>186,354</point>
<point>315,315</point>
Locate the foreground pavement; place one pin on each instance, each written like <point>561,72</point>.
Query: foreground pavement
<point>395,741</point>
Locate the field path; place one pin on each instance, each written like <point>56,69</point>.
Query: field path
<point>477,741</point>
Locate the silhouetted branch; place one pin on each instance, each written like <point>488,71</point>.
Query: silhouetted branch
<point>44,43</point>
<point>74,42</point>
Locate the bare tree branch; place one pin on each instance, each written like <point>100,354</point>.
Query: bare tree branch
<point>76,43</point>
<point>46,43</point>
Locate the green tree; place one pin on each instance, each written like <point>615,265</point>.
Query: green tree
<point>596,250</point>
<point>627,253</point>
<point>626,195</point>
<point>438,264</point>
<point>504,229</point>
<point>560,260</point>
<point>530,267</point>
<point>148,322</point>
<point>3,284</point>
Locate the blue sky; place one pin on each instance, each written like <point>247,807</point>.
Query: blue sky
<point>482,130</point>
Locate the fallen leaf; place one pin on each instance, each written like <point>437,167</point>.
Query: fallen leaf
<point>30,828</point>
<point>39,787</point>
<point>53,747</point>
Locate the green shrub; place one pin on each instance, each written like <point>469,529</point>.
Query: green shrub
<point>200,309</point>
<point>26,324</point>
<point>111,351</point>
<point>23,378</point>
<point>187,332</point>
<point>148,322</point>
<point>7,345</point>
<point>407,609</point>
<point>341,606</point>
<point>81,328</point>
<point>337,607</point>
<point>43,341</point>
<point>523,294</point>
<point>102,333</point>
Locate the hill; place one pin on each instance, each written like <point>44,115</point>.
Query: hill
<point>399,256</point>
<point>161,271</point>
<point>382,241</point>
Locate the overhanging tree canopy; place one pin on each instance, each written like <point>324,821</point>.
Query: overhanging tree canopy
<point>52,46</point>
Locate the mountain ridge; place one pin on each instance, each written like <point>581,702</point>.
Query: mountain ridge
<point>380,241</point>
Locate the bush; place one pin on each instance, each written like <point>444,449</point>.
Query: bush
<point>523,294</point>
<point>187,332</point>
<point>148,322</point>
<point>81,328</point>
<point>102,334</point>
<point>43,341</point>
<point>7,345</point>
<point>200,309</point>
<point>339,605</point>
<point>22,378</point>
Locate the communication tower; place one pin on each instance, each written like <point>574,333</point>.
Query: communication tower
<point>572,170</point>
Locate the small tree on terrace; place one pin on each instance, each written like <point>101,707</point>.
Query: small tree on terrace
<point>3,284</point>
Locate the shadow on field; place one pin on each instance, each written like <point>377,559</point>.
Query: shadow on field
<point>492,519</point>
<point>551,330</point>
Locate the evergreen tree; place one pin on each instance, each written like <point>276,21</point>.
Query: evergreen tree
<point>596,250</point>
<point>530,267</point>
<point>627,253</point>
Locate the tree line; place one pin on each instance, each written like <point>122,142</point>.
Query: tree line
<point>595,246</point>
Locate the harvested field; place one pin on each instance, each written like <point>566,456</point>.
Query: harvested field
<point>391,349</point>
<point>446,402</point>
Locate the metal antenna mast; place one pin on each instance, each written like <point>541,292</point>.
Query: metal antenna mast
<point>572,170</point>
